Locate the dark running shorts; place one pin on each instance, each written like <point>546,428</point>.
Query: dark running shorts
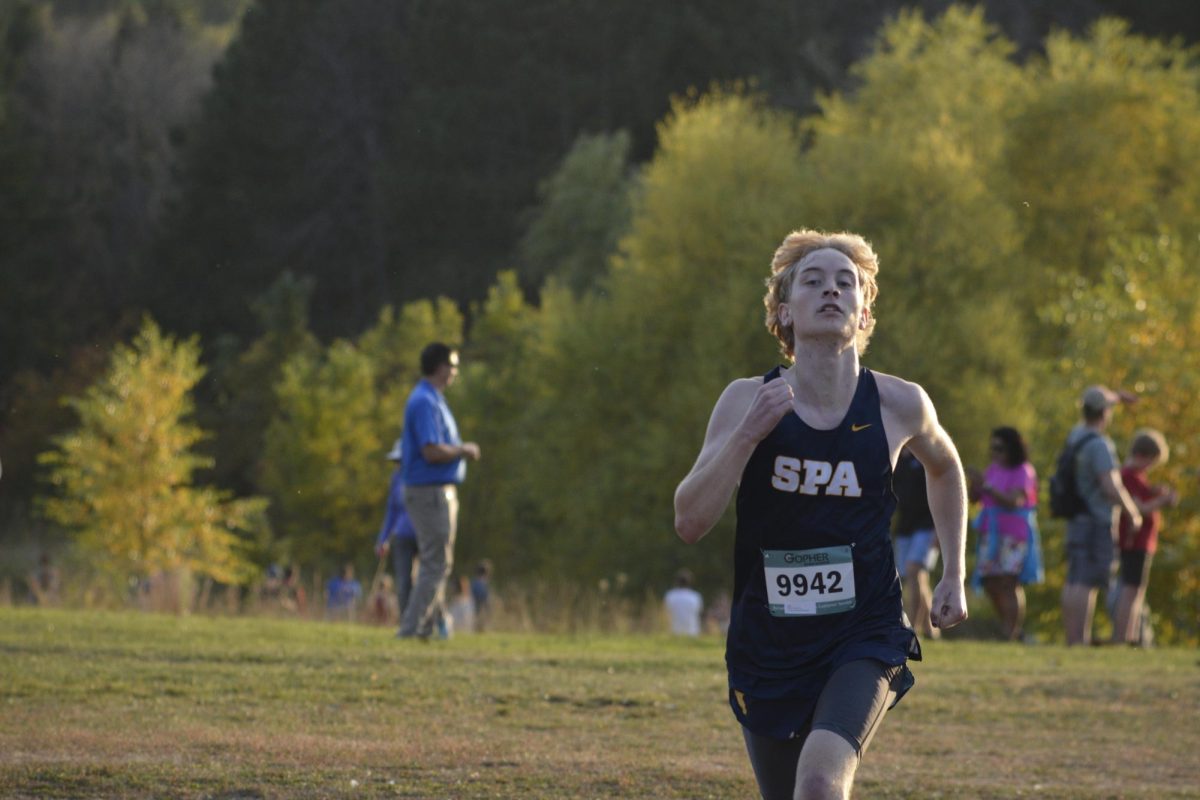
<point>851,704</point>
<point>1135,567</point>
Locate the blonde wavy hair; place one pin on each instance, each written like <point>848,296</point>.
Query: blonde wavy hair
<point>788,256</point>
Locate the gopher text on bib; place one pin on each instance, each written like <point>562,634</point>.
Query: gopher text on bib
<point>803,583</point>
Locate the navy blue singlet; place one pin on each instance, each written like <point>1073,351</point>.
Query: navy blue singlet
<point>772,657</point>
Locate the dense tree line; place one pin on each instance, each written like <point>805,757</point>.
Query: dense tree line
<point>384,149</point>
<point>359,178</point>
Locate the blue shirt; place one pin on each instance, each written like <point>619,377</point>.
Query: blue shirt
<point>396,523</point>
<point>343,593</point>
<point>427,420</point>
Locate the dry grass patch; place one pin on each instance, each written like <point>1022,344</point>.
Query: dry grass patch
<point>132,705</point>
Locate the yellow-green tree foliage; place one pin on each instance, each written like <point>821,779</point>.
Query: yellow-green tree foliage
<point>583,211</point>
<point>123,477</point>
<point>990,189</point>
<point>1135,328</point>
<point>340,408</point>
<point>911,160</point>
<point>497,401</point>
<point>1105,144</point>
<point>394,346</point>
<point>626,375</point>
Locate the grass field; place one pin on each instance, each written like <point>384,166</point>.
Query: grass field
<point>138,705</point>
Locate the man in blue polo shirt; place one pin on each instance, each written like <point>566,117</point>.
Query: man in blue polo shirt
<point>434,463</point>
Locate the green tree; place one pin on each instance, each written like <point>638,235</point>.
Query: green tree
<point>288,168</point>
<point>338,410</point>
<point>1133,328</point>
<point>629,372</point>
<point>501,401</point>
<point>394,346</point>
<point>329,122</point>
<point>1106,144</point>
<point>918,158</point>
<point>94,103</point>
<point>911,160</point>
<point>123,478</point>
<point>90,99</point>
<point>583,212</point>
<point>244,380</point>
<point>323,456</point>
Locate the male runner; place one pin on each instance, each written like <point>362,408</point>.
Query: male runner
<point>817,645</point>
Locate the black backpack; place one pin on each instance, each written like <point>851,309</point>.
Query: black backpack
<point>1065,501</point>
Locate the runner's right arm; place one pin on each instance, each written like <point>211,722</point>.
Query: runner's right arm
<point>746,412</point>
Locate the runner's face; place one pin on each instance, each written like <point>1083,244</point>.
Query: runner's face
<point>826,297</point>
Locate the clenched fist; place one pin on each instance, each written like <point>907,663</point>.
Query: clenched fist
<point>772,400</point>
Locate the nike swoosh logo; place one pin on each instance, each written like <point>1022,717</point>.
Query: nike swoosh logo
<point>857,428</point>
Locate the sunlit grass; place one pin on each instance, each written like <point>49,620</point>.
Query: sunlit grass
<point>140,705</point>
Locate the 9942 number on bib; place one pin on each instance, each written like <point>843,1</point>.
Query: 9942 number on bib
<point>803,583</point>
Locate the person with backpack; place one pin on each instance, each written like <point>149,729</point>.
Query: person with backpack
<point>1092,529</point>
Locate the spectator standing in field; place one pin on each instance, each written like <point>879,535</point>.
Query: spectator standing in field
<point>45,583</point>
<point>272,587</point>
<point>292,595</point>
<point>818,645</point>
<point>481,594</point>
<point>684,605</point>
<point>716,616</point>
<point>915,541</point>
<point>381,604</point>
<point>461,607</point>
<point>1009,552</point>
<point>397,533</point>
<point>1138,543</point>
<point>434,464</point>
<point>343,595</point>
<point>1092,533</point>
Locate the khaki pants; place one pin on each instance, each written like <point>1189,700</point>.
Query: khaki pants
<point>434,514</point>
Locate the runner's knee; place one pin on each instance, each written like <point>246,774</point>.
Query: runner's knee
<point>821,784</point>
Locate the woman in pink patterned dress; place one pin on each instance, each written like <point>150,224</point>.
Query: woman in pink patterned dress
<point>1009,552</point>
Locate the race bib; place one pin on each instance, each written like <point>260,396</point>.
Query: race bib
<point>803,583</point>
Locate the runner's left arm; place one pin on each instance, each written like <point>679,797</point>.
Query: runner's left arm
<point>947,489</point>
